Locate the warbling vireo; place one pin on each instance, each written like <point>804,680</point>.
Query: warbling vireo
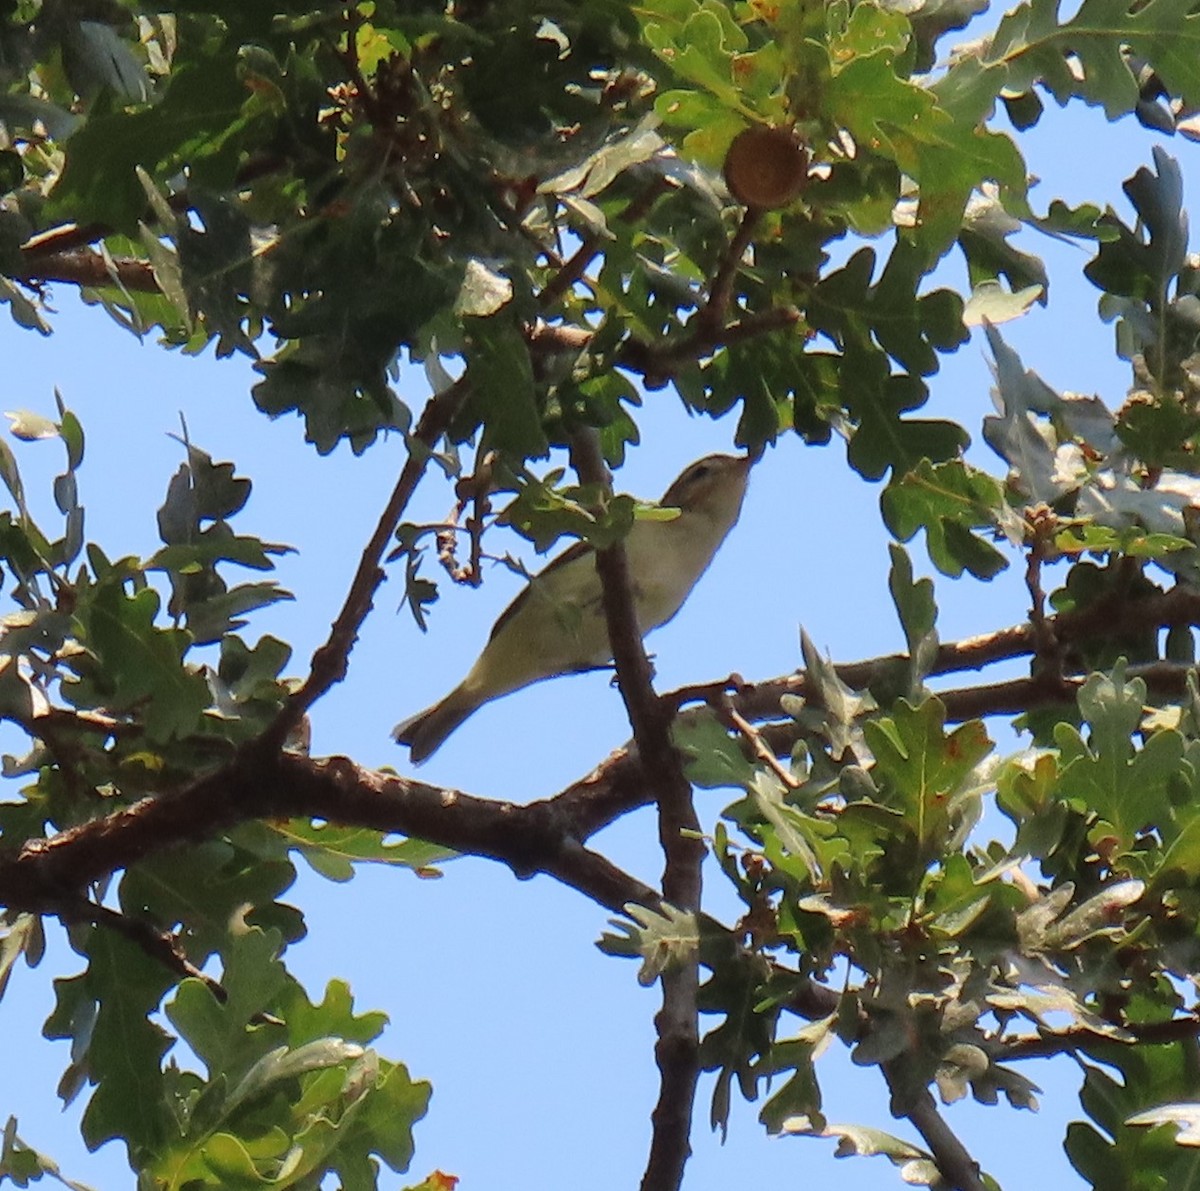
<point>557,624</point>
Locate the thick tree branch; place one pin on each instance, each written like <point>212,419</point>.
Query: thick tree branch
<point>677,1049</point>
<point>515,834</point>
<point>545,836</point>
<point>1113,620</point>
<point>614,788</point>
<point>47,873</point>
<point>624,633</point>
<point>89,269</point>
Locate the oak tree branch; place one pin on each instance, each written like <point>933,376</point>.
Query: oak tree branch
<point>677,1048</point>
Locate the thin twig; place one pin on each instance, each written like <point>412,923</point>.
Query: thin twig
<point>754,738</point>
<point>331,660</point>
<point>472,491</point>
<point>715,313</point>
<point>955,1163</point>
<point>573,269</point>
<point>1047,1044</point>
<point>157,944</point>
<point>1041,526</point>
<point>711,327</point>
<point>366,97</point>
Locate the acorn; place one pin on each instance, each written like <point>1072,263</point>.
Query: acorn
<point>766,167</point>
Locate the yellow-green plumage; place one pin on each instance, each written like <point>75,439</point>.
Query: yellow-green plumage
<point>556,624</point>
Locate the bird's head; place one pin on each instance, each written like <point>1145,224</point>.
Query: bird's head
<point>712,487</point>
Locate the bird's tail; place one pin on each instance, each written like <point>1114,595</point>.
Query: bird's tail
<point>425,732</point>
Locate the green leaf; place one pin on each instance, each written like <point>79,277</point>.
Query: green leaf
<point>672,936</point>
<point>254,979</point>
<point>137,665</point>
<point>200,490</point>
<point>859,1139</point>
<point>799,1096</point>
<point>203,888</point>
<point>12,171</point>
<point>333,1016</point>
<point>840,707</point>
<point>847,305</point>
<point>713,758</point>
<point>922,770</point>
<point>932,134</point>
<point>1088,56</point>
<point>503,396</point>
<point>230,1163</point>
<point>11,476</point>
<point>954,899</point>
<point>284,1063</point>
<point>202,115</point>
<point>29,426</point>
<point>24,312</point>
<point>168,274</point>
<point>220,614</point>
<point>883,439</point>
<point>991,257</point>
<point>917,608</point>
<point>1150,285</point>
<point>1125,1155</point>
<point>959,1066</point>
<point>1099,915</point>
<point>1127,788</point>
<point>22,936</point>
<point>1182,857</point>
<point>990,303</point>
<point>949,501</point>
<point>1043,464</point>
<point>699,46</point>
<point>95,56</point>
<point>794,835</point>
<point>333,851</point>
<point>22,1164</point>
<point>106,1013</point>
<point>597,172</point>
<point>741,1046</point>
<point>295,1093</point>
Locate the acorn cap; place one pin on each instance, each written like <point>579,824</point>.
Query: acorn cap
<point>765,167</point>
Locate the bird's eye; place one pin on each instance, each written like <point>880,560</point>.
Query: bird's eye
<point>700,471</point>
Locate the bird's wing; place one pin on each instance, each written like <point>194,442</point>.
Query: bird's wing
<point>569,555</point>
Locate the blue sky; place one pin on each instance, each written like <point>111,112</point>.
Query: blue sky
<point>539,1047</point>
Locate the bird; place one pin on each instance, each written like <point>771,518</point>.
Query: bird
<point>556,625</point>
